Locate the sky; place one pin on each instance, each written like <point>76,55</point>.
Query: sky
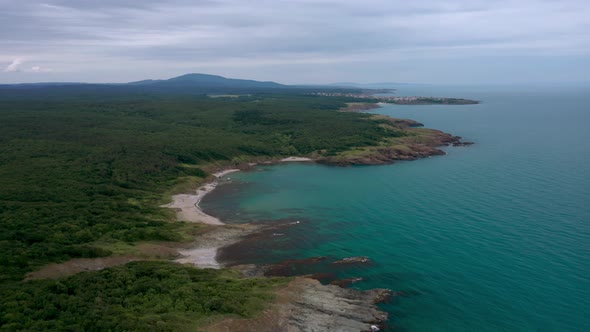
<point>297,41</point>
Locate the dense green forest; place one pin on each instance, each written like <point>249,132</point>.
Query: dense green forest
<point>80,175</point>
<point>140,296</point>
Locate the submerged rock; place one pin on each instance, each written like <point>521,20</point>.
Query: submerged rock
<point>345,283</point>
<point>463,143</point>
<point>354,260</point>
<point>291,267</point>
<point>323,277</point>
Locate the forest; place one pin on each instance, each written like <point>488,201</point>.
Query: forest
<point>84,174</point>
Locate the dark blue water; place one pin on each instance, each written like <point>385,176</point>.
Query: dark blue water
<point>492,237</point>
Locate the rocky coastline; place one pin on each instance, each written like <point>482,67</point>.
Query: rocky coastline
<point>306,305</point>
<point>316,300</point>
<point>413,141</point>
<point>405,149</point>
<point>307,302</point>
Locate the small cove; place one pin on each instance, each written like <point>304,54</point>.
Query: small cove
<point>492,237</point>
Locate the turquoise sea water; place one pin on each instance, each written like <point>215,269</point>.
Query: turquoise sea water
<point>492,237</point>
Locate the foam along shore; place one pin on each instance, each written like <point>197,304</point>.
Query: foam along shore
<point>187,205</point>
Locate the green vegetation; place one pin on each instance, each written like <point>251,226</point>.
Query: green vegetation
<point>140,296</point>
<point>73,173</point>
<point>84,177</point>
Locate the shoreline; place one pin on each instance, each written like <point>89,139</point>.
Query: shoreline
<point>187,205</point>
<point>303,303</point>
<point>203,252</point>
<point>206,248</point>
<point>423,144</point>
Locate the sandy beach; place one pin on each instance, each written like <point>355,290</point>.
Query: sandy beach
<point>187,205</point>
<point>203,257</point>
<point>187,209</point>
<point>203,252</point>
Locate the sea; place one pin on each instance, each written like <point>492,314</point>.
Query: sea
<point>489,237</point>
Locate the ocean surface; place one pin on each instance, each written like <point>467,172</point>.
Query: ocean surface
<point>491,237</point>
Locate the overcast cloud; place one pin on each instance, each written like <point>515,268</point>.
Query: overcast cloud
<point>304,41</point>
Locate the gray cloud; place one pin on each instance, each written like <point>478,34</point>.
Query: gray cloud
<point>14,65</point>
<point>123,40</point>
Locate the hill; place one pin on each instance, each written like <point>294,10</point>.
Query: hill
<point>189,84</point>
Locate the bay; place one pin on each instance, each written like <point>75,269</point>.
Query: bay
<point>491,237</point>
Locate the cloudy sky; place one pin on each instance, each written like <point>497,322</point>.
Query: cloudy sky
<point>297,41</point>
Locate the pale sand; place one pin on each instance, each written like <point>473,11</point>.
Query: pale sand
<point>188,209</point>
<point>296,159</point>
<point>203,258</point>
<point>187,205</point>
<point>204,251</point>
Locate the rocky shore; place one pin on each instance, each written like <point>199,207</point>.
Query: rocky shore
<point>315,300</point>
<point>305,305</point>
<point>402,149</point>
<point>412,142</point>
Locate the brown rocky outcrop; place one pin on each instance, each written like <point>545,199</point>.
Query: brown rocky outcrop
<point>410,147</point>
<point>404,123</point>
<point>306,305</point>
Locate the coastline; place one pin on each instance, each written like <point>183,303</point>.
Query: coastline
<point>414,143</point>
<point>187,205</point>
<point>306,305</point>
<point>352,310</point>
<point>203,251</point>
<point>303,304</point>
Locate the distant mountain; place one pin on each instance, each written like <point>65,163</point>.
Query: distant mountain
<point>193,80</point>
<point>210,81</point>
<point>189,84</point>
